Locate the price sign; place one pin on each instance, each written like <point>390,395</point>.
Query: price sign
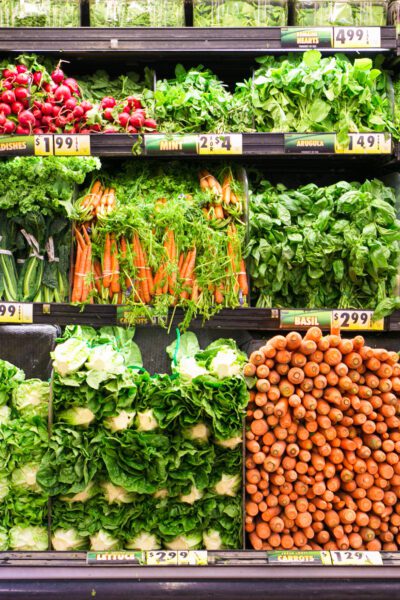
<point>72,145</point>
<point>367,143</point>
<point>356,37</point>
<point>119,557</point>
<point>356,320</point>
<point>355,558</point>
<point>195,558</point>
<point>43,145</point>
<point>161,558</point>
<point>11,312</point>
<point>220,144</point>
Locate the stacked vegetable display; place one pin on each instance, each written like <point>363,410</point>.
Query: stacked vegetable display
<point>36,99</point>
<point>141,461</point>
<point>23,442</point>
<point>173,237</point>
<point>323,247</point>
<point>323,444</point>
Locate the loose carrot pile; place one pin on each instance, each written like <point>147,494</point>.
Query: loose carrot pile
<point>175,249</point>
<point>323,445</point>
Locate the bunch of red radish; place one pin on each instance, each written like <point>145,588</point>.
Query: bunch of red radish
<point>32,102</point>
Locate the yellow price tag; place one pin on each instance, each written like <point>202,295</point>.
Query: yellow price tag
<point>44,145</point>
<point>195,558</point>
<point>12,312</point>
<point>72,145</point>
<point>360,320</point>
<point>161,557</point>
<point>229,143</point>
<point>366,143</point>
<point>356,558</point>
<point>356,37</point>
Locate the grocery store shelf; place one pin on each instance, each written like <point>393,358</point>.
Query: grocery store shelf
<point>160,41</point>
<point>244,319</point>
<point>377,147</point>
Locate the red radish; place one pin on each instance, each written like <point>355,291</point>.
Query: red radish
<point>37,113</point>
<point>123,119</point>
<point>134,102</point>
<point>38,130</point>
<point>108,114</point>
<point>61,121</point>
<point>2,119</point>
<point>16,107</point>
<point>21,69</point>
<point>5,109</point>
<point>56,110</point>
<point>47,121</point>
<point>108,102</point>
<point>137,121</point>
<point>8,74</point>
<point>9,127</point>
<point>62,93</point>
<point>8,97</point>
<point>71,103</point>
<point>20,130</point>
<point>21,93</point>
<point>110,130</point>
<point>85,130</point>
<point>86,105</point>
<point>73,85</point>
<point>96,127</point>
<point>78,112</point>
<point>50,88</point>
<point>47,108</point>
<point>150,123</point>
<point>7,85</point>
<point>58,76</point>
<point>26,118</point>
<point>132,129</point>
<point>37,78</point>
<point>22,79</point>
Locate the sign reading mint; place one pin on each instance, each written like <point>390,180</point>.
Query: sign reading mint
<point>188,145</point>
<point>306,37</point>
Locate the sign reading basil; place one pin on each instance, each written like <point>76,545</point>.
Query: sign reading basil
<point>306,37</point>
<point>309,143</point>
<point>303,319</point>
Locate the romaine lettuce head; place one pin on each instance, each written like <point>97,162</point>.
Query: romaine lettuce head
<point>192,496</point>
<point>191,541</point>
<point>224,524</point>
<point>4,541</point>
<point>83,496</point>
<point>78,416</point>
<point>10,377</point>
<point>66,540</point>
<point>28,538</point>
<point>188,368</point>
<point>103,540</point>
<point>24,478</point>
<point>226,363</point>
<point>31,398</point>
<point>103,363</point>
<point>123,420</point>
<point>143,541</point>
<point>146,421</point>
<point>197,433</point>
<point>22,442</point>
<point>5,414</point>
<point>212,540</point>
<point>70,356</point>
<point>228,485</point>
<point>115,494</point>
<point>4,486</point>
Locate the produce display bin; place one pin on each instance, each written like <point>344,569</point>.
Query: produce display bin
<point>40,13</point>
<point>240,13</point>
<point>310,13</point>
<point>394,14</point>
<point>139,13</point>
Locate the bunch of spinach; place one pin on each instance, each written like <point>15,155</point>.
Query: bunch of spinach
<point>240,13</point>
<point>310,92</point>
<point>42,13</point>
<point>335,246</point>
<point>197,101</point>
<point>315,13</point>
<point>137,13</point>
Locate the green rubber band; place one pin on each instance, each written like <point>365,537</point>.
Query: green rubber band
<point>177,346</point>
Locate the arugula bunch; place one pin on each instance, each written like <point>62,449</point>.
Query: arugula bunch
<point>310,13</point>
<point>312,92</point>
<point>328,247</point>
<point>240,13</point>
<point>137,13</point>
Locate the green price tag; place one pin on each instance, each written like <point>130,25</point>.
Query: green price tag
<point>165,144</point>
<point>119,557</point>
<point>356,558</point>
<point>17,145</point>
<point>287,557</point>
<point>309,143</point>
<point>303,319</point>
<point>306,37</point>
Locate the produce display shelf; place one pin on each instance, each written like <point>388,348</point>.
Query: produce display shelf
<point>246,318</point>
<point>365,146</point>
<point>160,41</point>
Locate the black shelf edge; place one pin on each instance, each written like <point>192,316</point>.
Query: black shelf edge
<point>150,41</point>
<point>246,318</point>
